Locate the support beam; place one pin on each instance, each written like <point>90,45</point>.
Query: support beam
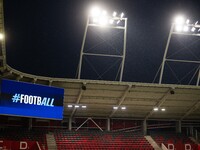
<point>178,126</point>
<point>162,100</point>
<point>121,100</point>
<point>193,108</point>
<point>78,99</point>
<point>19,78</point>
<point>30,123</point>
<point>108,124</point>
<point>70,124</point>
<point>145,127</point>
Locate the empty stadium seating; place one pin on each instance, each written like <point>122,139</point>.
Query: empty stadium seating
<point>177,139</point>
<point>100,140</point>
<point>21,134</point>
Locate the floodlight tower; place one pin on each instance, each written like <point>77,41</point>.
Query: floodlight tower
<point>101,19</point>
<point>180,26</point>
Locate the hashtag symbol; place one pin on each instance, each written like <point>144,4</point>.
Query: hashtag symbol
<point>16,98</point>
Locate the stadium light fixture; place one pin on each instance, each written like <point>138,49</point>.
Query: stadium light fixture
<point>69,106</point>
<point>1,36</point>
<point>187,21</point>
<point>185,28</point>
<point>76,106</point>
<point>104,12</point>
<point>122,15</point>
<point>84,106</point>
<point>114,14</point>
<point>163,109</point>
<point>123,108</point>
<point>115,107</point>
<point>102,18</point>
<point>179,20</point>
<point>95,11</point>
<point>193,29</point>
<point>179,28</point>
<point>155,109</point>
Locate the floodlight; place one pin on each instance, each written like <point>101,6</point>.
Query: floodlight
<point>83,106</point>
<point>95,20</point>
<point>123,108</point>
<point>193,29</point>
<point>111,21</point>
<point>179,28</point>
<point>187,21</point>
<point>196,22</point>
<point>155,109</point>
<point>114,14</point>
<point>163,109</point>
<point>185,28</point>
<point>76,106</point>
<point>95,11</point>
<point>179,20</point>
<point>103,20</point>
<point>115,107</point>
<point>118,21</point>
<point>1,36</point>
<point>69,106</point>
<point>104,12</point>
<point>122,15</point>
<point>198,30</point>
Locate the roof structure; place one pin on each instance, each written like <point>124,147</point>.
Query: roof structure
<point>182,102</point>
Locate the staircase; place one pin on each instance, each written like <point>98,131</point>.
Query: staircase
<point>153,143</point>
<point>51,143</point>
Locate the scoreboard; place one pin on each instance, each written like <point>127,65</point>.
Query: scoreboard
<point>31,100</point>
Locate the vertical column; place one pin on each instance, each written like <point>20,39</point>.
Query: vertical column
<point>165,54</point>
<point>191,131</point>
<point>124,51</point>
<point>108,124</point>
<point>178,126</point>
<point>30,124</point>
<point>70,124</point>
<point>145,127</point>
<point>82,47</point>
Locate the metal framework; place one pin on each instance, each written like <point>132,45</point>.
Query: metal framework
<point>3,45</point>
<point>165,59</point>
<point>83,53</point>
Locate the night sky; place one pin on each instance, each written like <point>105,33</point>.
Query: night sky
<point>44,37</point>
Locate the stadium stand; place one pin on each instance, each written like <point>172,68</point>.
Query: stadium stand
<point>178,140</point>
<point>101,140</point>
<point>22,134</point>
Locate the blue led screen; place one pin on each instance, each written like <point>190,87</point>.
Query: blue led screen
<point>31,100</point>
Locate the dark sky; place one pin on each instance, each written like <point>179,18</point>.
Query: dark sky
<point>44,37</point>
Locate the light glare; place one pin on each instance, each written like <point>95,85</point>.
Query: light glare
<point>123,108</point>
<point>122,15</point>
<point>115,107</point>
<point>69,106</point>
<point>155,109</point>
<point>1,36</point>
<point>111,21</point>
<point>179,28</point>
<point>163,109</point>
<point>179,20</point>
<point>114,14</point>
<point>103,21</point>
<point>193,29</point>
<point>188,21</point>
<point>84,106</point>
<point>95,11</point>
<point>118,21</point>
<point>185,28</point>
<point>104,12</point>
